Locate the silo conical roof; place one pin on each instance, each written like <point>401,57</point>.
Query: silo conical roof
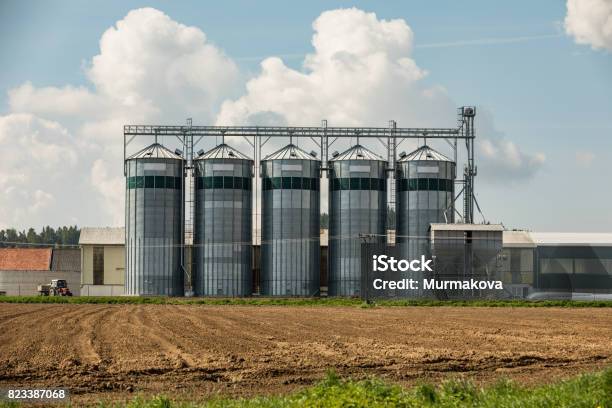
<point>290,152</point>
<point>358,152</point>
<point>223,151</point>
<point>155,151</point>
<point>425,153</point>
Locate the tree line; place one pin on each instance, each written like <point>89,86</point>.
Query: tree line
<point>66,235</point>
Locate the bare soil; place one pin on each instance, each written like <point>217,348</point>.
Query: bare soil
<point>113,352</point>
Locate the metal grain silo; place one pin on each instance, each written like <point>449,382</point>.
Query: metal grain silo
<point>425,190</point>
<point>357,206</point>
<point>291,223</point>
<point>154,222</point>
<point>223,223</point>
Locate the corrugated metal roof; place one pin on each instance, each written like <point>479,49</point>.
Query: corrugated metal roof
<point>25,259</point>
<point>223,151</point>
<point>155,151</point>
<point>357,152</point>
<point>102,236</point>
<point>571,239</point>
<point>66,260</point>
<point>467,227</point>
<point>425,153</point>
<point>290,152</point>
<point>518,239</point>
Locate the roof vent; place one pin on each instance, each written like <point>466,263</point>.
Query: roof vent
<point>402,155</point>
<point>200,152</point>
<point>178,152</point>
<point>429,155</point>
<point>230,153</point>
<point>313,153</point>
<point>148,153</point>
<point>335,153</point>
<point>359,154</point>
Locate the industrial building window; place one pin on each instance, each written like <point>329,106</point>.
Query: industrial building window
<point>306,183</point>
<point>356,183</point>
<point>98,265</point>
<point>296,183</point>
<point>238,183</point>
<point>426,184</point>
<point>286,183</point>
<point>154,182</point>
<point>276,182</point>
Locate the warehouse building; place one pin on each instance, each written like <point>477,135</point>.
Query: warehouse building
<point>527,262</point>
<point>23,269</point>
<point>102,261</point>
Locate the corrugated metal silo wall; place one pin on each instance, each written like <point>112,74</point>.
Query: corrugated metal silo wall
<point>154,217</point>
<point>223,228</point>
<point>358,205</point>
<point>424,191</point>
<point>290,229</point>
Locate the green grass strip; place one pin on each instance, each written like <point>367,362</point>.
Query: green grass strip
<point>588,391</point>
<point>263,301</point>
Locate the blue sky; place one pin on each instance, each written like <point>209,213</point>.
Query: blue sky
<point>545,93</point>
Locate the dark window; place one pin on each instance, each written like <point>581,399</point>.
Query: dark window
<point>344,184</point>
<point>276,183</point>
<point>267,183</point>
<point>199,183</point>
<point>238,183</point>
<point>449,185</point>
<point>170,182</point>
<point>354,183</point>
<point>413,184</point>
<point>306,183</point>
<point>296,183</point>
<point>423,184</point>
<point>433,184</point>
<point>335,184</point>
<point>246,183</point>
<point>217,181</point>
<point>160,182</point>
<point>149,182</point>
<point>228,182</point>
<point>316,184</point>
<point>208,182</point>
<point>98,265</point>
<point>364,184</point>
<point>286,183</point>
<point>402,184</point>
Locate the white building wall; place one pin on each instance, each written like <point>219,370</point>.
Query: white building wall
<point>25,283</point>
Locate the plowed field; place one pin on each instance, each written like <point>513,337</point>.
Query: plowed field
<point>116,351</point>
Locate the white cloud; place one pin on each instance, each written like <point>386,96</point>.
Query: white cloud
<point>361,73</point>
<point>500,159</point>
<point>36,159</point>
<point>590,22</point>
<point>149,69</point>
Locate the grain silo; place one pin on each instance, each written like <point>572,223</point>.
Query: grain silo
<point>291,223</point>
<point>425,188</point>
<point>154,222</point>
<point>357,207</point>
<point>223,223</point>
